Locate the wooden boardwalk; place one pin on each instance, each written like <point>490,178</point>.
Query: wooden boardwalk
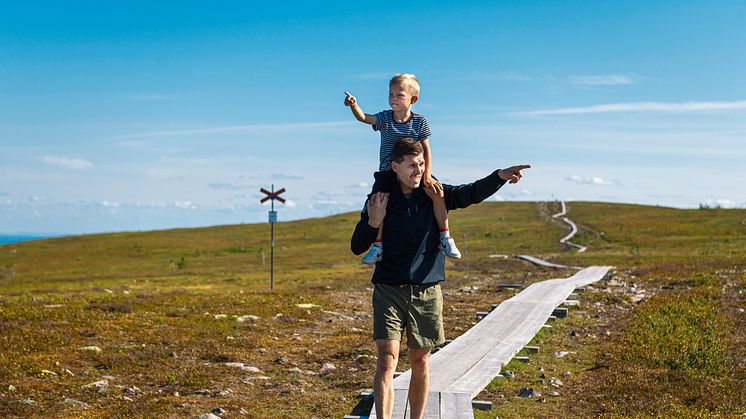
<point>464,367</point>
<point>573,229</point>
<point>540,262</point>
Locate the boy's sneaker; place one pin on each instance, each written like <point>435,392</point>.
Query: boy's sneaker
<point>375,254</point>
<point>448,246</point>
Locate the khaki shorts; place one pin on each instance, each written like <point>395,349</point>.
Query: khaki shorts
<point>419,308</point>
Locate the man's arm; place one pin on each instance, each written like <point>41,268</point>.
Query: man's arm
<point>371,218</point>
<point>462,196</point>
<point>357,111</point>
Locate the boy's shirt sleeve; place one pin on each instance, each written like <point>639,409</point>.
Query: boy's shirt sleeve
<point>380,121</point>
<point>424,130</point>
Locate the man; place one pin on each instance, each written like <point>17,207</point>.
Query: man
<point>406,291</point>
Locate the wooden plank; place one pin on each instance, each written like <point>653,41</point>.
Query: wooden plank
<point>455,405</point>
<point>510,286</point>
<point>540,262</point>
<point>560,312</point>
<point>481,405</point>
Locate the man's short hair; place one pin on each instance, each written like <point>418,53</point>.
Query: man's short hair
<point>407,80</point>
<point>405,147</point>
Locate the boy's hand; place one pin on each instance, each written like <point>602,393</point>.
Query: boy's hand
<point>432,185</point>
<point>350,100</point>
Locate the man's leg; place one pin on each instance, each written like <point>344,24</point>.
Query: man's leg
<point>383,384</point>
<point>419,384</point>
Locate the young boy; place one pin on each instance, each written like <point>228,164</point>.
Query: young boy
<point>401,122</point>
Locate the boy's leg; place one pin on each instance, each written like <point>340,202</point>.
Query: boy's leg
<point>375,253</point>
<point>447,244</point>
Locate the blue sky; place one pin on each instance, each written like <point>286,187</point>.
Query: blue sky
<point>139,116</point>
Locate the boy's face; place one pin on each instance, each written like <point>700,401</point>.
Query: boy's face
<point>401,98</point>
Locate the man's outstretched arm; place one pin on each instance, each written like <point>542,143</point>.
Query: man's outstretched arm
<point>461,196</point>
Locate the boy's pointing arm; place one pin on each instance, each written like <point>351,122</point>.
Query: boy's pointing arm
<point>357,111</point>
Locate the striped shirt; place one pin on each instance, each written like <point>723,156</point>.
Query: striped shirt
<point>416,128</point>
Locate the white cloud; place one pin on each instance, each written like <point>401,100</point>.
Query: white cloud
<point>68,163</point>
<point>184,205</point>
<point>290,203</point>
<point>280,176</point>
<point>106,203</point>
<point>603,80</point>
<point>640,107</point>
<point>234,128</point>
<point>226,186</point>
<point>721,203</point>
<point>593,180</point>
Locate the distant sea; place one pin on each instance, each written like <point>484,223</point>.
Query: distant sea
<point>7,238</point>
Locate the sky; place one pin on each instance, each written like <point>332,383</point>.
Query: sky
<point>152,115</point>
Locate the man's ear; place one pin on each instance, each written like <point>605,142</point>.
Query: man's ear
<point>395,166</point>
<point>414,99</point>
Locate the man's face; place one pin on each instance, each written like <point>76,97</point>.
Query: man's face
<point>410,171</point>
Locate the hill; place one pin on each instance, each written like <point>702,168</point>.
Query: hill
<point>173,312</point>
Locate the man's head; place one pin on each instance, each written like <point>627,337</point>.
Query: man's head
<point>404,90</point>
<point>408,162</point>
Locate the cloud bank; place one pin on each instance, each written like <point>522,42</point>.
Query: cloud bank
<point>639,107</point>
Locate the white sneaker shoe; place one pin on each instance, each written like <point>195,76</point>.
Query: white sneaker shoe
<point>375,254</point>
<point>448,246</point>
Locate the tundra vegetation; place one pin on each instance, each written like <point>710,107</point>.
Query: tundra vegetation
<point>180,322</point>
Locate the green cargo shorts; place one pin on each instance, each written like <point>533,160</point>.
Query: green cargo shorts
<point>419,308</point>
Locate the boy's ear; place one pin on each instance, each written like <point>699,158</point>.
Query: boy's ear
<point>414,99</point>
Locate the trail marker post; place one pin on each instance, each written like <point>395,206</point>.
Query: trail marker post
<point>271,196</point>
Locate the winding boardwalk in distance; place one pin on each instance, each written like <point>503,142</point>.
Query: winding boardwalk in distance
<point>573,229</point>
<point>464,367</point>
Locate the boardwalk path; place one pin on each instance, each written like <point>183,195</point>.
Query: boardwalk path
<point>463,368</point>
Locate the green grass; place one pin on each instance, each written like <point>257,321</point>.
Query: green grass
<point>144,296</point>
<point>682,332</point>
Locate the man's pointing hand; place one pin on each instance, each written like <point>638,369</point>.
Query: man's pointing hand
<point>513,174</point>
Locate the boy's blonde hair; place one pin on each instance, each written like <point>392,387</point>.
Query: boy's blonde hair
<point>407,80</point>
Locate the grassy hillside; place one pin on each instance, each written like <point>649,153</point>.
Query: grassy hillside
<point>164,306</point>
